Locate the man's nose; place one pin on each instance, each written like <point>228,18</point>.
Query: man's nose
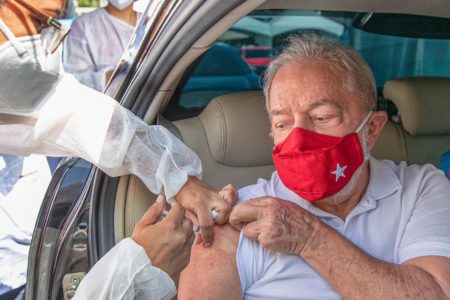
<point>302,122</point>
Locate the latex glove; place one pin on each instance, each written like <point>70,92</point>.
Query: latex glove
<point>278,225</point>
<point>168,242</point>
<point>199,199</point>
<point>108,75</point>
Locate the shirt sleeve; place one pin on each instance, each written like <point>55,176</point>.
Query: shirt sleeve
<point>427,232</point>
<point>79,121</point>
<point>125,272</point>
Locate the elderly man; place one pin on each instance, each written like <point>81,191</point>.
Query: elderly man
<point>332,222</point>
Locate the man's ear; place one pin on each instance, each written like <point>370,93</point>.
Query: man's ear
<point>376,124</point>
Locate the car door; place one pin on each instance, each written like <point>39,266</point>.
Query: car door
<point>75,226</point>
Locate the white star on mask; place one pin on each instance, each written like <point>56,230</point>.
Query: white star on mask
<point>339,172</point>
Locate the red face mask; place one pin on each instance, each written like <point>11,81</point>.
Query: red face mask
<point>316,166</point>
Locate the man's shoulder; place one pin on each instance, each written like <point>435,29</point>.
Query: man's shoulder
<point>409,173</point>
<point>414,180</point>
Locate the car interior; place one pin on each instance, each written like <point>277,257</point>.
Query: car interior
<point>229,128</point>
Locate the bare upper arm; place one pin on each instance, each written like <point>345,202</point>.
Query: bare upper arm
<point>437,266</point>
<point>212,272</point>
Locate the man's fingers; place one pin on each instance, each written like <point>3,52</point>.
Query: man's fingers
<point>244,213</point>
<point>151,216</point>
<point>252,230</point>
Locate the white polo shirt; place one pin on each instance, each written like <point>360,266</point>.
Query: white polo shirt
<point>405,213</point>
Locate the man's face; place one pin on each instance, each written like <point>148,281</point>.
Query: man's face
<point>20,20</point>
<point>53,7</point>
<point>310,96</point>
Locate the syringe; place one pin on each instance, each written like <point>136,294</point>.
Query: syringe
<point>195,228</point>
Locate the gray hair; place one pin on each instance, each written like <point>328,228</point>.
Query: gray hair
<point>341,59</point>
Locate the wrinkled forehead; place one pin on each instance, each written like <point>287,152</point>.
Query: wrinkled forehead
<point>310,83</point>
<point>55,8</point>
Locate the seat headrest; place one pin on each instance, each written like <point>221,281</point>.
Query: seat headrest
<point>423,103</point>
<point>237,129</point>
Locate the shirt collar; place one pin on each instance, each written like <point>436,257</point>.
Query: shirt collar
<point>382,181</point>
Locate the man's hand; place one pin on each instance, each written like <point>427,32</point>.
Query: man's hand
<point>167,243</point>
<point>200,200</point>
<point>278,225</point>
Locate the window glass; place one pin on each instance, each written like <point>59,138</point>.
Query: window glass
<point>238,59</point>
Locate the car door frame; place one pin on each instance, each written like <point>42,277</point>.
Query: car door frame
<point>135,82</point>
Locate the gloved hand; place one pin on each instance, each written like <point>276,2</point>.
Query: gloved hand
<point>199,199</point>
<point>108,75</point>
<point>168,242</point>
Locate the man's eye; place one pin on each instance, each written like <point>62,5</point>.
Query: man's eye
<point>321,119</point>
<point>327,120</point>
<point>279,125</point>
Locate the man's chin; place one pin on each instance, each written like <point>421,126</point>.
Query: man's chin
<point>347,191</point>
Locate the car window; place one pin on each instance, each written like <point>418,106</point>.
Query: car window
<point>258,52</point>
<point>237,61</point>
<point>221,70</point>
<point>221,60</point>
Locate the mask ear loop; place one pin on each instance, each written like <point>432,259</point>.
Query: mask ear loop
<point>363,123</point>
<point>12,38</point>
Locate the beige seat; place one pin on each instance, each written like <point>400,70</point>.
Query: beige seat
<point>231,136</point>
<point>424,109</point>
<point>391,143</point>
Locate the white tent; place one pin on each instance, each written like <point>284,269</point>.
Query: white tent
<point>272,26</point>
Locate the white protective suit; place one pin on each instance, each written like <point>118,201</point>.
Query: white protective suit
<point>23,182</point>
<point>44,111</point>
<point>94,46</point>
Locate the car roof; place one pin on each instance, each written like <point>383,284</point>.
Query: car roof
<point>437,8</point>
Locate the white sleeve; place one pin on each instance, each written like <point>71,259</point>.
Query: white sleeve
<point>79,121</point>
<point>125,272</point>
<point>428,230</point>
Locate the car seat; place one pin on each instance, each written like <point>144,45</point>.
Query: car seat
<point>423,104</point>
<point>231,136</point>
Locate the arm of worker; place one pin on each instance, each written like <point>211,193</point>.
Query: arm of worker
<point>424,269</point>
<point>78,121</point>
<point>78,59</point>
<point>130,271</point>
<point>209,268</point>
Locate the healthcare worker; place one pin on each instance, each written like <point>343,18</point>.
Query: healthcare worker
<point>97,41</point>
<point>45,111</point>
